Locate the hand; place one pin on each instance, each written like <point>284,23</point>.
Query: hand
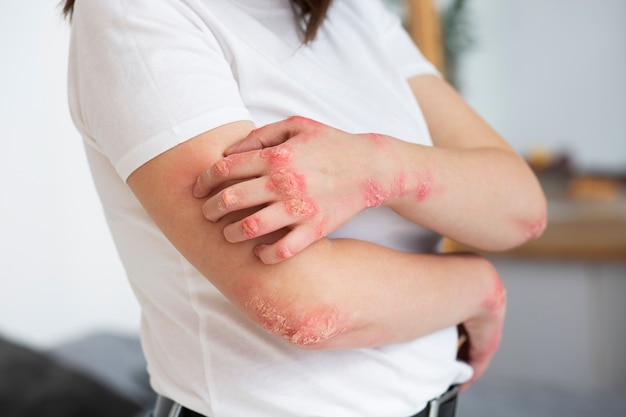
<point>484,333</point>
<point>302,175</point>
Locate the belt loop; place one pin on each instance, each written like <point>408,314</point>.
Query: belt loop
<point>433,408</point>
<point>175,411</point>
<point>434,405</point>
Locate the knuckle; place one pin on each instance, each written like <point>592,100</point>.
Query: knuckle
<point>229,198</point>
<point>277,156</point>
<point>301,208</point>
<point>220,169</point>
<point>283,252</point>
<point>287,183</point>
<point>297,119</point>
<point>251,226</point>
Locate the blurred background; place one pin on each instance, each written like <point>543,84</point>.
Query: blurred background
<point>547,74</point>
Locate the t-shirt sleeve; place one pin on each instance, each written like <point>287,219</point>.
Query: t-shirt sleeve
<point>400,48</point>
<point>145,76</point>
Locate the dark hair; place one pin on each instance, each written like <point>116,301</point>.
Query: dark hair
<point>310,13</point>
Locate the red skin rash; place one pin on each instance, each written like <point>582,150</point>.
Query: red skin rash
<point>376,195</point>
<point>250,226</point>
<point>424,187</point>
<point>398,187</point>
<point>287,183</point>
<point>222,167</point>
<point>282,253</point>
<point>534,230</point>
<point>303,208</point>
<point>294,325</point>
<point>277,156</point>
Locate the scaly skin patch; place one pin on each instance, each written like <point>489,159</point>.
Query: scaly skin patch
<point>287,183</point>
<point>229,198</point>
<point>297,327</point>
<point>221,168</point>
<point>374,194</point>
<point>250,226</point>
<point>278,156</point>
<point>301,208</point>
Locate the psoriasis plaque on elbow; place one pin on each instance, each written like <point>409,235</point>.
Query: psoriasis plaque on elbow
<point>299,327</point>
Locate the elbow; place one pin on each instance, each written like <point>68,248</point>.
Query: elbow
<point>520,227</point>
<point>300,323</point>
<point>529,225</point>
<point>536,221</point>
<point>534,228</point>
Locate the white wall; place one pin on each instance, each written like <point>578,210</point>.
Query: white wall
<point>59,273</point>
<point>553,73</point>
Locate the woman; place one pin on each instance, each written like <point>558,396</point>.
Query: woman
<point>286,267</point>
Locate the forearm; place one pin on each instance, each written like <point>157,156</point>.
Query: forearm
<point>473,186</point>
<point>353,294</point>
<point>485,197</point>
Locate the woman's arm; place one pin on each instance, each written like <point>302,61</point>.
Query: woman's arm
<point>337,293</point>
<point>475,188</point>
<point>470,186</point>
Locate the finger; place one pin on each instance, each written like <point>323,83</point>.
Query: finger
<point>263,222</point>
<point>273,134</point>
<point>246,194</point>
<point>270,219</point>
<point>234,167</point>
<point>293,243</point>
<point>479,369</point>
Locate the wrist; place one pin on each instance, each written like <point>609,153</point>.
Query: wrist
<point>386,176</point>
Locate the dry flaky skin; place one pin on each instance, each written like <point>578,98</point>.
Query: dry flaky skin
<point>298,327</point>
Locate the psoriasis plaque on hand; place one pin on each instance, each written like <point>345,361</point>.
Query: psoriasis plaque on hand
<point>301,208</point>
<point>278,156</point>
<point>287,183</point>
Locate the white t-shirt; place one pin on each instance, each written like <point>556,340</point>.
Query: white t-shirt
<point>146,75</point>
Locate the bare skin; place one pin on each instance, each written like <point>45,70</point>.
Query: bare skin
<point>466,187</point>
